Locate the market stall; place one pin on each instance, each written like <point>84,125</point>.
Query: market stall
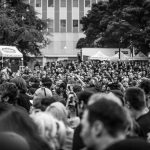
<point>10,54</point>
<point>99,56</point>
<point>122,57</point>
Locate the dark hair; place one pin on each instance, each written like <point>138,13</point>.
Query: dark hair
<point>84,96</point>
<point>112,115</point>
<point>13,141</point>
<point>10,90</point>
<point>18,121</point>
<point>45,102</point>
<point>20,83</point>
<point>36,82</point>
<point>47,82</point>
<point>136,98</point>
<point>77,88</point>
<point>145,85</point>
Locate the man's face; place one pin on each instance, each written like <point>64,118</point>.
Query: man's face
<point>86,132</point>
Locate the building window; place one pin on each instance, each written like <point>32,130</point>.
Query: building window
<point>63,3</point>
<point>93,1</point>
<point>50,3</point>
<point>63,25</point>
<point>75,3</point>
<point>87,3</point>
<point>38,3</point>
<point>50,25</point>
<point>75,25</point>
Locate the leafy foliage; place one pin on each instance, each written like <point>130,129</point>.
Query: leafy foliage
<point>20,26</point>
<point>118,21</point>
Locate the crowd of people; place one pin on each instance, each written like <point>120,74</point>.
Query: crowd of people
<point>67,105</point>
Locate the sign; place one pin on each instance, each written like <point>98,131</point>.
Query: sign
<point>8,50</point>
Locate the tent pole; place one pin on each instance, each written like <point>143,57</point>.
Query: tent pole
<point>22,63</point>
<point>2,61</point>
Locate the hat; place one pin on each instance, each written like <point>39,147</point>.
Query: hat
<point>43,92</point>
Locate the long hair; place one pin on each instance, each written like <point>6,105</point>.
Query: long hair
<point>52,130</point>
<point>20,83</point>
<point>17,120</point>
<point>59,111</point>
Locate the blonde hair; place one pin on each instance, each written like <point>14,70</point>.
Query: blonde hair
<point>59,111</point>
<point>50,129</point>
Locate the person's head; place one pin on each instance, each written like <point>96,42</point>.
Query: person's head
<point>39,95</point>
<point>135,100</point>
<point>13,141</point>
<point>104,122</point>
<point>77,88</point>
<point>45,102</point>
<point>119,94</point>
<point>145,85</point>
<point>34,82</point>
<point>50,129</point>
<point>20,83</point>
<point>83,98</point>
<point>18,121</point>
<point>109,96</point>
<point>47,82</point>
<point>59,111</point>
<point>8,92</point>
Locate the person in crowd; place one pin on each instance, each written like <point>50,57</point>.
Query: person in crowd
<point>119,94</point>
<point>33,84</point>
<point>45,102</point>
<point>39,94</point>
<point>23,99</point>
<point>72,108</point>
<point>144,120</point>
<point>83,98</point>
<point>59,111</point>
<point>52,130</point>
<point>13,141</point>
<point>101,128</point>
<point>8,93</point>
<point>130,144</point>
<point>136,103</point>
<point>46,82</point>
<point>145,85</point>
<point>18,121</point>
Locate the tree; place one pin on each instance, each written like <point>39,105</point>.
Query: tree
<point>127,20</point>
<point>20,27</point>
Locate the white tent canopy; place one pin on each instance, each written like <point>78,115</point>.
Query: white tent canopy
<point>10,52</point>
<point>122,56</point>
<point>140,56</point>
<point>99,56</point>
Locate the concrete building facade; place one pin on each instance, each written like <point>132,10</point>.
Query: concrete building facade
<point>63,18</point>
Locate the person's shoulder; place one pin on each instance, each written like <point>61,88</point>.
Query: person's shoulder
<point>144,117</point>
<point>129,144</point>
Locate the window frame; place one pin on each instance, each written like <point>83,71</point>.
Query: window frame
<point>50,5</point>
<point>77,4</point>
<point>62,3</point>
<point>38,3</point>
